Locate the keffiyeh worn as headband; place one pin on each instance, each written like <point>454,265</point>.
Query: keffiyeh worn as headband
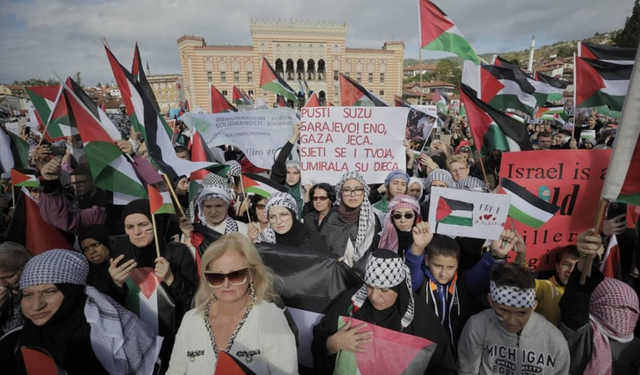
<point>386,273</point>
<point>512,296</point>
<point>389,238</point>
<point>276,199</point>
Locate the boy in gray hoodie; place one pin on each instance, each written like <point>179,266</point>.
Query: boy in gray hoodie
<point>510,338</point>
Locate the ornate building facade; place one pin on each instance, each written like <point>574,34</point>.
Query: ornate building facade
<point>299,51</point>
<point>168,90</point>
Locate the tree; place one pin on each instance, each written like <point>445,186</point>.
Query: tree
<point>78,79</point>
<point>448,71</point>
<point>515,61</point>
<point>630,36</point>
<point>37,82</point>
<point>566,50</point>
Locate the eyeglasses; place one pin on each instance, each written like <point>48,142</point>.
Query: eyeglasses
<point>260,206</point>
<point>458,170</point>
<point>237,277</point>
<point>284,216</point>
<point>407,215</point>
<point>92,246</point>
<point>321,199</point>
<point>356,191</point>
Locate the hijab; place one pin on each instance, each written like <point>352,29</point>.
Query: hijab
<point>298,231</point>
<point>99,276</point>
<point>392,238</point>
<point>296,190</point>
<point>144,256</point>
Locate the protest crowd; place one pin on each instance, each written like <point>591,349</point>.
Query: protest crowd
<point>135,247</point>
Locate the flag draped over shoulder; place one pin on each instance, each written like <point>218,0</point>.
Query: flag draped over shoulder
<point>601,83</point>
<point>352,94</point>
<point>270,81</point>
<point>439,33</point>
<point>489,125</point>
<point>622,182</point>
<point>219,104</point>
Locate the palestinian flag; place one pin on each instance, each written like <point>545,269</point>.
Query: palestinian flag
<point>230,365</point>
<point>96,111</point>
<point>247,96</point>
<point>138,72</point>
<point>623,176</point>
<point>43,99</point>
<point>26,178</point>
<point>601,83</point>
<point>28,228</point>
<point>313,101</point>
<point>60,124</point>
<point>411,354</point>
<point>270,81</point>
<point>605,111</point>
<point>549,113</point>
<point>516,117</point>
<point>281,102</point>
<point>454,212</point>
<point>352,94</point>
<point>611,259</point>
<point>38,361</point>
<point>541,92</point>
<point>261,186</point>
<point>439,33</point>
<point>14,152</point>
<point>489,125</point>
<point>440,100</point>
<point>613,54</point>
<point>239,97</point>
<point>200,152</point>
<point>160,202</point>
<point>149,300</point>
<point>554,88</point>
<point>505,88</point>
<point>526,207</point>
<point>219,104</point>
<point>399,102</point>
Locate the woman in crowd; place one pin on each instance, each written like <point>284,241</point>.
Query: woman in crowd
<point>352,231</point>
<point>234,313</point>
<point>213,210</point>
<point>395,183</point>
<point>284,227</point>
<point>404,214</point>
<point>385,300</point>
<point>258,216</point>
<point>84,331</point>
<point>94,242</point>
<point>322,196</point>
<point>287,173</point>
<point>437,178</point>
<point>458,167</point>
<point>13,257</point>
<point>416,188</point>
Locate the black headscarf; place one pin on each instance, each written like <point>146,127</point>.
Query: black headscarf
<point>145,256</point>
<point>296,236</point>
<point>100,233</point>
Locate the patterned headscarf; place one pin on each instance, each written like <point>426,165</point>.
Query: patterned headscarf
<point>216,192</point>
<point>389,239</point>
<point>386,273</point>
<point>419,181</point>
<point>122,343</point>
<point>366,221</point>
<point>235,169</point>
<point>471,183</point>
<point>609,323</point>
<point>396,174</point>
<point>276,199</point>
<point>293,164</point>
<point>440,175</point>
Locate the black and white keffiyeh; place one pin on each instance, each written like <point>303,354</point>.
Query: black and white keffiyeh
<point>471,183</point>
<point>235,169</point>
<point>122,343</point>
<point>440,175</point>
<point>276,199</point>
<point>512,296</point>
<point>216,192</point>
<point>366,220</point>
<point>386,273</point>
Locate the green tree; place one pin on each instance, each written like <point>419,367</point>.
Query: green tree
<point>448,71</point>
<point>515,61</point>
<point>566,50</point>
<point>37,82</point>
<point>630,36</point>
<point>78,79</point>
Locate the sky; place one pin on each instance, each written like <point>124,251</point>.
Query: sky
<point>41,37</point>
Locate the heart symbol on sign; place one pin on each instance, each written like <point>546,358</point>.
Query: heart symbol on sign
<point>487,217</point>
<point>494,219</point>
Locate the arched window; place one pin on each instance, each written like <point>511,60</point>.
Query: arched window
<point>322,75</point>
<point>280,68</point>
<point>289,70</point>
<point>300,69</point>
<point>311,70</point>
<point>208,66</point>
<point>322,98</point>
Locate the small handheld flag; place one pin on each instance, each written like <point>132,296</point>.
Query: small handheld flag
<point>454,212</point>
<point>526,207</point>
<point>26,178</point>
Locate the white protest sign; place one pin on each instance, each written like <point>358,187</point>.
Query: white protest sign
<point>430,109</point>
<point>468,214</point>
<point>336,140</point>
<point>259,134</point>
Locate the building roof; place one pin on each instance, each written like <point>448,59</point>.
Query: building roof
<point>430,84</point>
<point>191,37</point>
<point>420,67</point>
<point>15,87</point>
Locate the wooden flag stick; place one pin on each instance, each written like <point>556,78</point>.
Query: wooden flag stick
<point>155,234</point>
<point>586,271</point>
<point>173,194</point>
<point>484,173</point>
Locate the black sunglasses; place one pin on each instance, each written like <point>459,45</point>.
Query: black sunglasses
<point>321,199</point>
<point>407,215</point>
<point>216,280</point>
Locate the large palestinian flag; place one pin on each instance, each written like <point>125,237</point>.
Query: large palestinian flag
<point>352,94</point>
<point>389,353</point>
<point>526,207</point>
<point>613,54</point>
<point>490,126</point>
<point>601,83</point>
<point>219,104</point>
<point>43,99</point>
<point>439,33</point>
<point>554,88</point>
<point>506,88</point>
<point>270,81</point>
<point>98,113</point>
<point>60,124</point>
<point>261,186</point>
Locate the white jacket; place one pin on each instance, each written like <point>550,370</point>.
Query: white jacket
<point>265,330</point>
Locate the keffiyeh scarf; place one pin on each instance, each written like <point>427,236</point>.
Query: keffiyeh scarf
<point>366,220</point>
<point>389,238</point>
<point>276,199</point>
<point>216,192</point>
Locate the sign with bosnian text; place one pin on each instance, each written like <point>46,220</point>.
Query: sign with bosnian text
<point>335,140</point>
<point>569,179</point>
<point>259,134</point>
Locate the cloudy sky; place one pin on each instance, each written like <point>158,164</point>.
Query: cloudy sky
<point>39,37</point>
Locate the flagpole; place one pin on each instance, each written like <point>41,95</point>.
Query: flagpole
<point>173,194</point>
<point>155,234</point>
<point>420,72</point>
<point>244,194</point>
<point>586,270</point>
<point>575,106</point>
<point>484,173</point>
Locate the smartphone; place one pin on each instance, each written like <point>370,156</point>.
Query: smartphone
<point>436,137</point>
<point>120,245</point>
<point>616,209</point>
<point>27,130</point>
<point>58,151</point>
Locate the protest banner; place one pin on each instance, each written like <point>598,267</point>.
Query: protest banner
<point>336,140</point>
<point>419,127</point>
<point>569,179</point>
<point>259,134</point>
<point>468,214</point>
<point>428,109</point>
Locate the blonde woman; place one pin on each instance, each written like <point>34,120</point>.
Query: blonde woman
<point>234,313</point>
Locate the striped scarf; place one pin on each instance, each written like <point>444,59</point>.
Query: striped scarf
<point>366,220</point>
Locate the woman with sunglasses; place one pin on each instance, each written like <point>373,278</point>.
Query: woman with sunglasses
<point>351,232</point>
<point>284,227</point>
<point>234,313</point>
<point>258,216</point>
<point>322,196</point>
<point>404,214</point>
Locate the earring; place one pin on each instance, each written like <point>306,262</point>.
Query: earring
<point>252,292</point>
<point>213,296</point>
